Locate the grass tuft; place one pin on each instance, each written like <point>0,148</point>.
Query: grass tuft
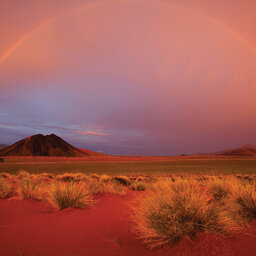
<point>124,180</point>
<point>31,189</point>
<point>178,209</point>
<point>6,190</point>
<point>245,196</point>
<point>65,195</point>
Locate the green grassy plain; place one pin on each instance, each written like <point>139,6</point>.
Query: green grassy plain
<point>175,165</point>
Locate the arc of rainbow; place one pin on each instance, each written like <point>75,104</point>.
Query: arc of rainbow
<point>87,5</point>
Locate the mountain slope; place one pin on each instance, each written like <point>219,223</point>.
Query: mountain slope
<point>2,146</point>
<point>40,145</point>
<point>246,150</point>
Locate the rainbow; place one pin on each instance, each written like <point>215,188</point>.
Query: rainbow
<point>9,51</point>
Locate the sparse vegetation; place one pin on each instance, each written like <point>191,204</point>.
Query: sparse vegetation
<point>137,165</point>
<point>169,208</point>
<point>1,159</point>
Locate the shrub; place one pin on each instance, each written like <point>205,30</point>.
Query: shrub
<point>64,195</point>
<point>31,189</point>
<point>178,209</point>
<point>6,190</point>
<point>1,159</point>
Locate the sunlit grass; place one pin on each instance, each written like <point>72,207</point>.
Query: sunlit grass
<point>111,186</point>
<point>6,190</point>
<point>65,195</point>
<point>31,188</point>
<point>178,209</point>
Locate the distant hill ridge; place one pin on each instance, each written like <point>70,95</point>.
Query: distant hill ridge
<point>245,150</point>
<point>48,145</point>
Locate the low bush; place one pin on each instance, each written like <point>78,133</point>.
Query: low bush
<point>1,159</point>
<point>64,195</point>
<point>178,209</point>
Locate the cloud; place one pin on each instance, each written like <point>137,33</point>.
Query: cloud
<point>92,133</point>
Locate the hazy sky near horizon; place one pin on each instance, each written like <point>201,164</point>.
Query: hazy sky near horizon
<point>148,77</point>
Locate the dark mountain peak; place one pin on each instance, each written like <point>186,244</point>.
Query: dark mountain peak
<point>44,145</point>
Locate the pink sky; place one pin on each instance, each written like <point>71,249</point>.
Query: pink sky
<point>129,77</point>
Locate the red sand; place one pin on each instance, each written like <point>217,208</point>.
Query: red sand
<point>31,228</point>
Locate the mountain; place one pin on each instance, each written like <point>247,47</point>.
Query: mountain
<point>246,150</point>
<point>3,146</point>
<point>90,153</point>
<point>48,145</point>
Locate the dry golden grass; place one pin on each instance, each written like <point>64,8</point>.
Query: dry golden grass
<point>169,207</point>
<point>244,197</point>
<point>124,180</point>
<point>105,178</point>
<point>113,187</point>
<point>178,209</point>
<point>23,174</point>
<point>65,195</point>
<point>222,187</point>
<point>6,190</point>
<point>31,188</point>
<point>140,185</point>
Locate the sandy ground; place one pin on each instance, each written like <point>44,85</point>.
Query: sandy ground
<point>31,228</point>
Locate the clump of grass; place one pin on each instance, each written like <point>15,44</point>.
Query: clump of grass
<point>5,175</point>
<point>221,188</point>
<point>124,180</point>
<point>66,177</point>
<point>65,195</point>
<point>95,176</point>
<point>112,186</point>
<point>31,189</point>
<point>23,174</point>
<point>6,190</point>
<point>105,178</point>
<point>178,209</point>
<point>139,185</point>
<point>47,175</point>
<point>245,196</point>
